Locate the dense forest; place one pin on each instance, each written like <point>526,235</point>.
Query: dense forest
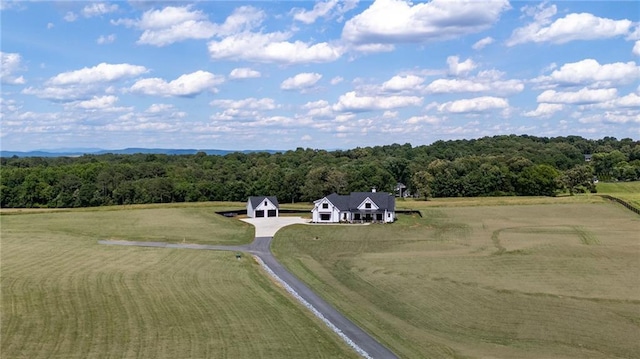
<point>489,166</point>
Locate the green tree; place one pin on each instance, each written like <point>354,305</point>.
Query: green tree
<point>538,180</point>
<point>578,179</point>
<point>421,182</point>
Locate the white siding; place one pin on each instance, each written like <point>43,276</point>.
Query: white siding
<point>318,211</point>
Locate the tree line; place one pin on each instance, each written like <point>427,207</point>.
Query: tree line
<point>489,166</point>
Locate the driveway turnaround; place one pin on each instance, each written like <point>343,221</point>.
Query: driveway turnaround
<point>353,335</point>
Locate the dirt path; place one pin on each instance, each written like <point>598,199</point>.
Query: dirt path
<point>353,335</point>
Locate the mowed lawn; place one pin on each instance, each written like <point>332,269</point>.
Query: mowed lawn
<point>553,280</point>
<point>65,296</point>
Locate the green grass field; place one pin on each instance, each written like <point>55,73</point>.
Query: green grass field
<point>65,296</point>
<point>505,277</point>
<point>555,278</point>
<point>628,191</point>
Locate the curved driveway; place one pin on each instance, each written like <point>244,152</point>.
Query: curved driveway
<point>266,228</point>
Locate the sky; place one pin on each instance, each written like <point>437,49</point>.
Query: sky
<point>327,74</point>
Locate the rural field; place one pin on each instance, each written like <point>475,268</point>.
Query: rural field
<point>496,278</point>
<point>65,296</point>
<point>501,277</point>
<point>628,191</point>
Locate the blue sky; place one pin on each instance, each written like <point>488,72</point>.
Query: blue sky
<point>326,74</point>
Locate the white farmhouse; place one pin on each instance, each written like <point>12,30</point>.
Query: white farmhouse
<point>262,206</point>
<point>355,207</point>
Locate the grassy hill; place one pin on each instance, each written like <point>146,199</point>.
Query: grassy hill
<point>628,191</point>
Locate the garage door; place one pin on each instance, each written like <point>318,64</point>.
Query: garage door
<point>259,213</point>
<point>271,213</point>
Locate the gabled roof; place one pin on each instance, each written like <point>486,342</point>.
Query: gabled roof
<point>256,200</point>
<point>382,200</point>
<point>341,202</point>
<point>353,200</point>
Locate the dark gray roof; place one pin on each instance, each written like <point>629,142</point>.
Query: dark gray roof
<point>256,200</point>
<point>342,202</point>
<point>353,200</point>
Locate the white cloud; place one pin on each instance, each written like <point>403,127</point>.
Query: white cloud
<point>173,24</point>
<point>106,39</point>
<point>100,73</point>
<point>354,103</point>
<point>50,26</point>
<point>301,81</point>
<point>457,68</point>
<point>336,80</point>
<point>636,48</point>
<point>615,117</point>
<point>244,73</point>
<point>326,9</point>
<point>402,83</point>
<point>455,86</point>
<point>98,102</point>
<point>159,107</point>
<point>188,85</point>
<point>478,104</point>
<point>320,9</point>
<point>631,100</point>
<point>242,19</point>
<point>315,104</point>
<point>169,25</point>
<point>575,26</point>
<point>58,93</point>
<point>545,110</point>
<point>248,103</point>
<point>271,47</point>
<point>399,21</point>
<point>423,119</point>
<point>11,63</point>
<point>584,96</point>
<point>590,72</point>
<point>97,9</point>
<point>70,17</point>
<point>485,81</point>
<point>320,108</point>
<point>482,43</point>
<point>306,138</point>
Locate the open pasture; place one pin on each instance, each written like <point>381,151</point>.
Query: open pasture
<point>627,191</point>
<point>166,223</point>
<point>65,296</point>
<point>503,281</point>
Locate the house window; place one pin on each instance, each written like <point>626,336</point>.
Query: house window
<point>325,205</point>
<point>265,203</point>
<point>367,205</point>
<point>325,216</point>
<point>389,215</point>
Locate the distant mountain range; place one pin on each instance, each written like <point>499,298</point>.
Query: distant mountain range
<point>76,152</point>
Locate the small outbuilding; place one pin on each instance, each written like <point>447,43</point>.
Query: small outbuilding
<point>262,206</point>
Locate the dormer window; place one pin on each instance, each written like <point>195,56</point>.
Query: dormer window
<point>265,203</point>
<point>367,205</point>
<point>325,205</point>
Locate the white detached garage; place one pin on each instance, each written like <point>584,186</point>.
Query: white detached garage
<point>262,206</point>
